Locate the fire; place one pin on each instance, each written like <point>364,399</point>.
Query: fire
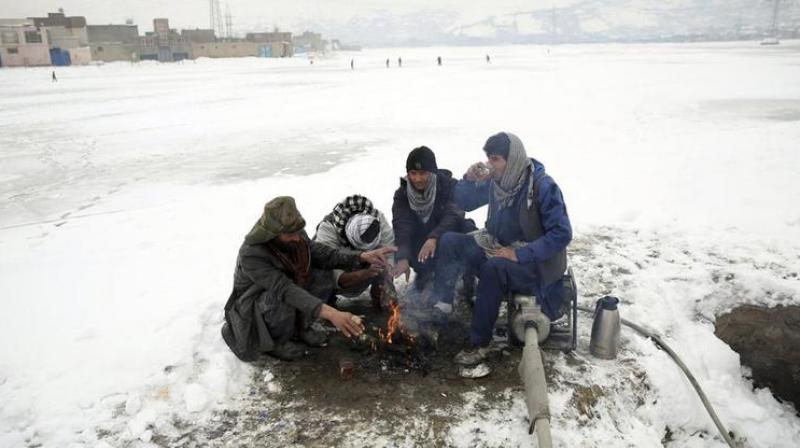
<point>392,325</point>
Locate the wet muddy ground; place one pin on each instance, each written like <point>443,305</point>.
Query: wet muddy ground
<point>396,396</point>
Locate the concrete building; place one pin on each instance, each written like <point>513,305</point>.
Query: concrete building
<point>273,45</point>
<point>66,34</point>
<point>111,43</point>
<point>238,49</point>
<point>199,36</point>
<point>163,44</point>
<point>22,45</point>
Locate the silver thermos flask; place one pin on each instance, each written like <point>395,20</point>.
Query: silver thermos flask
<point>605,328</point>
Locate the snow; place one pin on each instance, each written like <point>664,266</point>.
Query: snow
<point>126,190</point>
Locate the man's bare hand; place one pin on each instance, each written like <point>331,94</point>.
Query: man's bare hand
<point>428,250</point>
<point>377,257</point>
<point>505,252</point>
<point>345,322</point>
<point>401,268</point>
<point>477,172</point>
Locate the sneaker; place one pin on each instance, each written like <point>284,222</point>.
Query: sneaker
<point>472,355</point>
<point>289,351</point>
<point>313,338</point>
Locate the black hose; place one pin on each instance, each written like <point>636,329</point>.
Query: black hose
<point>663,345</point>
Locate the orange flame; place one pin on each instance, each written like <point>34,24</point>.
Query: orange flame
<point>392,325</point>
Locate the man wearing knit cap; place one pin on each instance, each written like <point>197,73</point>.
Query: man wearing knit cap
<point>355,224</point>
<point>423,210</point>
<point>522,249</point>
<point>280,284</point>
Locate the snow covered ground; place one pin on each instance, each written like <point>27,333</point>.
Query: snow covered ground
<point>125,191</point>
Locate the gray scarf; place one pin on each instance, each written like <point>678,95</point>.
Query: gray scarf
<point>422,202</point>
<point>517,166</point>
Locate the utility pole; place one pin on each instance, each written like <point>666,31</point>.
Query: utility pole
<point>215,18</point>
<point>228,22</point>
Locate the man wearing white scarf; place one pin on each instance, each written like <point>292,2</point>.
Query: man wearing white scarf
<point>522,248</point>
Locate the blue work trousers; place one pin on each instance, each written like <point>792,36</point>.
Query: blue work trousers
<point>498,278</point>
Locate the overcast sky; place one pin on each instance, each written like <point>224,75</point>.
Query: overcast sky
<point>248,13</point>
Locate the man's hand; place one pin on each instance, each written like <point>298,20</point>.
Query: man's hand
<point>345,322</point>
<point>477,172</point>
<point>428,250</point>
<point>377,256</point>
<point>505,252</point>
<point>401,268</point>
<point>358,277</point>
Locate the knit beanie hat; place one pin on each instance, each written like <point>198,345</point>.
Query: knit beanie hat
<point>362,231</point>
<point>498,144</point>
<point>422,159</point>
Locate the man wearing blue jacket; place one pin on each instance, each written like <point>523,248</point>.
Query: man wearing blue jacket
<point>522,249</point>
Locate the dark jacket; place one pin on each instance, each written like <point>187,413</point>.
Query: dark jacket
<point>409,229</point>
<point>538,216</point>
<point>259,272</point>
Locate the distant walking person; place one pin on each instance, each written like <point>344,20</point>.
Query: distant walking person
<point>54,76</point>
<point>399,62</point>
<point>439,60</point>
<point>387,62</point>
<point>352,66</point>
<point>488,59</point>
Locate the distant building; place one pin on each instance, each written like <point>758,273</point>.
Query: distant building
<point>163,44</point>
<point>111,43</point>
<point>22,45</point>
<point>233,49</point>
<point>65,34</point>
<point>308,41</point>
<point>273,45</point>
<point>199,36</point>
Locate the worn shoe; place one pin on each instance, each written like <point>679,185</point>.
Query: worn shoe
<point>472,355</point>
<point>289,351</point>
<point>313,338</point>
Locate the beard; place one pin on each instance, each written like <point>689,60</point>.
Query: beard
<point>290,246</point>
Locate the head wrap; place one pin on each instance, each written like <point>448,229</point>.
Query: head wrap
<point>362,231</point>
<point>280,216</point>
<point>517,166</point>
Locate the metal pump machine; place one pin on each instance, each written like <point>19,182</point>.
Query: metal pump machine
<point>528,324</point>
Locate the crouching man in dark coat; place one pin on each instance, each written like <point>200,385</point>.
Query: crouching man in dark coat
<point>424,209</point>
<point>281,282</point>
